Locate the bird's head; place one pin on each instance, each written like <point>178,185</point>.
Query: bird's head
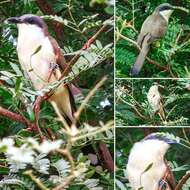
<point>29,21</point>
<point>161,137</point>
<point>156,84</point>
<point>165,10</point>
<point>159,143</point>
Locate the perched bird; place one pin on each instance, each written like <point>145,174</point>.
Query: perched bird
<point>155,100</point>
<point>42,60</point>
<point>153,28</point>
<point>147,167</point>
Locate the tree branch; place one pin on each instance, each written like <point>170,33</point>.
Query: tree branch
<point>47,10</point>
<point>183,181</point>
<point>16,117</point>
<point>86,46</point>
<point>162,68</point>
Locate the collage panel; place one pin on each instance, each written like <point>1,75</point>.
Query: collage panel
<point>152,102</point>
<point>56,95</point>
<point>152,159</point>
<point>152,38</point>
<point>94,95</point>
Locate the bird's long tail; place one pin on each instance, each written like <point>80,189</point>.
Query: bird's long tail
<point>141,57</point>
<point>162,113</point>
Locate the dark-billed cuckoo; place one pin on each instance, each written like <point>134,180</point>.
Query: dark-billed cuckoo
<point>45,66</point>
<point>32,34</point>
<point>147,168</point>
<point>153,28</point>
<point>155,100</point>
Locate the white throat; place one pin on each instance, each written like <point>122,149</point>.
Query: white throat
<point>166,14</point>
<point>29,38</point>
<point>29,33</point>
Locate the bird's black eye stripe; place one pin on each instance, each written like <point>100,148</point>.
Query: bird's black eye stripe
<point>34,20</point>
<point>164,8</point>
<point>30,20</point>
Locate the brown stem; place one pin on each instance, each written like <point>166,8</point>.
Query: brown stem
<point>182,181</point>
<point>162,68</point>
<point>37,104</point>
<point>86,46</point>
<point>16,117</point>
<point>47,9</point>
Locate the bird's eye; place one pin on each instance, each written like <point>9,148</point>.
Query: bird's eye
<point>31,21</point>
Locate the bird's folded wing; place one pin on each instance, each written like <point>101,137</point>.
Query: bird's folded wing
<point>60,60</point>
<point>168,180</point>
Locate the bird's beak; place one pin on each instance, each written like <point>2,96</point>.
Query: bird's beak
<point>180,8</point>
<point>14,20</point>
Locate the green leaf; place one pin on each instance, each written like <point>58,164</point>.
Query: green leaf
<point>37,50</point>
<point>148,168</point>
<point>120,185</point>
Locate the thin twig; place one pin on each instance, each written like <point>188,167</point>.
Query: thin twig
<point>66,182</point>
<point>61,118</point>
<point>36,180</point>
<point>107,126</point>
<point>6,1</point>
<point>90,94</point>
<point>136,110</point>
<point>86,46</point>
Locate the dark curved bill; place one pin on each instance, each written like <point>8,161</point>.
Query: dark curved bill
<point>14,20</point>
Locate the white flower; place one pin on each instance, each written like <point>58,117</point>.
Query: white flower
<point>41,164</point>
<point>6,142</point>
<point>32,142</point>
<point>105,103</point>
<point>48,146</point>
<point>22,154</point>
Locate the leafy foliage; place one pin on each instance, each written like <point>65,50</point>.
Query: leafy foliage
<point>81,20</point>
<point>171,52</point>
<point>133,109</point>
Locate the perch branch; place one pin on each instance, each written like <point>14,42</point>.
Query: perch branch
<point>16,117</point>
<point>182,181</point>
<point>162,68</point>
<point>86,46</point>
<point>135,109</point>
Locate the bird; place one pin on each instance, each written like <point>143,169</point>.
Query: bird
<point>42,61</point>
<point>155,101</point>
<point>147,167</point>
<point>153,28</point>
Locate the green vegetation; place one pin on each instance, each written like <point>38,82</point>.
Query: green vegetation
<point>70,166</point>
<point>169,57</point>
<point>133,108</point>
